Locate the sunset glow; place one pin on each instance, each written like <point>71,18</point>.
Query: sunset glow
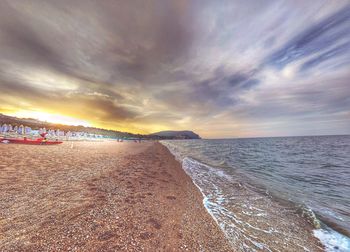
<point>51,118</point>
<point>239,69</point>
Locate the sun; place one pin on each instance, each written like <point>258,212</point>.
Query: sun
<point>51,118</point>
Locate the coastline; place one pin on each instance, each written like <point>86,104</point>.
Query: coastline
<point>101,196</point>
<point>248,216</point>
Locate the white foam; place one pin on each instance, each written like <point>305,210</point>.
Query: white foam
<point>202,176</point>
<point>332,240</point>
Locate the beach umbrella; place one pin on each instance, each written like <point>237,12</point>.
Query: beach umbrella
<point>6,128</point>
<point>21,130</point>
<point>27,130</point>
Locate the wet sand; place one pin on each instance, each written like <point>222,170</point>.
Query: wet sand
<point>101,196</point>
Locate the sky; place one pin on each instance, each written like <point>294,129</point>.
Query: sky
<point>220,68</point>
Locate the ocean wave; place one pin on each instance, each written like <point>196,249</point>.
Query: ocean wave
<point>214,200</point>
<point>240,213</point>
<point>238,204</point>
<point>251,218</point>
<point>332,240</point>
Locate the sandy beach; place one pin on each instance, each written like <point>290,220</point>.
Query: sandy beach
<point>101,196</point>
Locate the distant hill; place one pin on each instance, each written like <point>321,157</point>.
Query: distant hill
<point>170,134</point>
<point>36,124</point>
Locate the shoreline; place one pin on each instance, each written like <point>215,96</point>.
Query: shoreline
<point>259,219</point>
<point>317,222</point>
<point>101,196</point>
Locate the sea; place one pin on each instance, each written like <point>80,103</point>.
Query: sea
<point>250,184</point>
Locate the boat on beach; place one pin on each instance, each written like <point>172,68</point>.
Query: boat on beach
<point>39,141</point>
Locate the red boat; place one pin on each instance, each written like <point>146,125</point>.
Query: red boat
<point>39,141</point>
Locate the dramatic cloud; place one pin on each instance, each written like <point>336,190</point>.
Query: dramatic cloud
<point>221,68</point>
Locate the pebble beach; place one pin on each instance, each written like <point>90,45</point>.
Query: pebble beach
<point>101,196</point>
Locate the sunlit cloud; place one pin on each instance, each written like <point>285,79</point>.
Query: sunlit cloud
<point>52,118</point>
<point>222,69</point>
